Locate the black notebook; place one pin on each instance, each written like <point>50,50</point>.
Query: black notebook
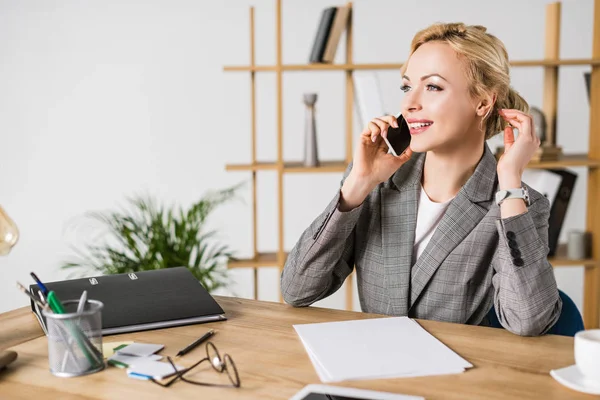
<point>142,300</point>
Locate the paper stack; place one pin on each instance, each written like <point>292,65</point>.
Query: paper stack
<point>376,348</point>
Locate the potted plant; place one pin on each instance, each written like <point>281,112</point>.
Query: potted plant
<point>149,236</point>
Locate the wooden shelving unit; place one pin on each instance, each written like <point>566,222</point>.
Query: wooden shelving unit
<point>551,63</point>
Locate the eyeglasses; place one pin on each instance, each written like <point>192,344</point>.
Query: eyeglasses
<point>218,363</point>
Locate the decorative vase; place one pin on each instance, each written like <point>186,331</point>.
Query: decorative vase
<point>311,156</point>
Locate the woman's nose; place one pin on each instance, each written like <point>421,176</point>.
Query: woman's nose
<point>411,103</point>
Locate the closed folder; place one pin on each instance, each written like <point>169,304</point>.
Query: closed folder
<point>141,300</point>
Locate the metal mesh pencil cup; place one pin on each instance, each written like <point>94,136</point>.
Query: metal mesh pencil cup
<point>75,340</point>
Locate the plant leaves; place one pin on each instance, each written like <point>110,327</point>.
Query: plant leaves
<point>147,236</point>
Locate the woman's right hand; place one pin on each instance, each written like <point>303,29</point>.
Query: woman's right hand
<point>371,164</point>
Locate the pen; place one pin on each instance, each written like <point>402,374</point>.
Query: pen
<point>42,297</point>
<point>196,343</point>
<point>80,308</point>
<point>55,303</point>
<point>42,287</point>
<point>32,297</point>
<point>82,301</point>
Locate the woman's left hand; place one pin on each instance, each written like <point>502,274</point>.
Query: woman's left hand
<point>517,153</point>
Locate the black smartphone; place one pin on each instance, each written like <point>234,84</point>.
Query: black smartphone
<point>398,139</point>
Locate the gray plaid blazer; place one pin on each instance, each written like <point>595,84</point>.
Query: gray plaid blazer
<point>474,260</point>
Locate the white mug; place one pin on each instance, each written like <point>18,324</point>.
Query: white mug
<point>587,353</point>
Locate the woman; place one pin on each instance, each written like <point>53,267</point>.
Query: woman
<point>433,234</point>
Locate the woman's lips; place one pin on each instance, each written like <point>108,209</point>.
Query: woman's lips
<point>419,127</point>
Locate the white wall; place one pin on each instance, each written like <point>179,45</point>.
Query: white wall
<point>103,100</point>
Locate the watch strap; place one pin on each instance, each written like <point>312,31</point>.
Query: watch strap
<point>519,193</point>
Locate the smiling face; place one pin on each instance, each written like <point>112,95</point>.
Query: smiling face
<point>437,103</point>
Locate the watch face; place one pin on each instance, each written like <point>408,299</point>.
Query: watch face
<point>526,193</point>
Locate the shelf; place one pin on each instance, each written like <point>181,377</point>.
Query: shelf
<point>561,260</point>
<point>564,161</point>
<point>251,167</point>
<point>325,166</point>
<point>555,63</point>
<point>261,260</point>
<point>567,160</point>
<point>291,167</point>
<point>395,66</point>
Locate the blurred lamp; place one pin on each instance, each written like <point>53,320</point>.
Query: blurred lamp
<point>9,233</point>
<point>9,236</point>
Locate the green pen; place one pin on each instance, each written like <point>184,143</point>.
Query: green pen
<point>55,303</point>
<point>58,308</point>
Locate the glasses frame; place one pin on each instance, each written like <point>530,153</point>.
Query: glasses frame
<point>221,366</point>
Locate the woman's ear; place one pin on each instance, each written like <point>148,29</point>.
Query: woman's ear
<point>485,105</point>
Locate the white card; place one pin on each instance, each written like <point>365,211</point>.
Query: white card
<point>141,349</point>
<point>153,369</point>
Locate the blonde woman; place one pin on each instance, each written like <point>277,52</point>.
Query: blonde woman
<point>442,232</point>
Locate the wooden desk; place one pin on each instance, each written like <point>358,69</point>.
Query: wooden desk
<point>274,365</point>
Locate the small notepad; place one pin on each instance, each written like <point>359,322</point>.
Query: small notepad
<point>140,349</point>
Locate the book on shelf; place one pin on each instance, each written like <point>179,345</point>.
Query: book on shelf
<point>334,21</point>
<point>340,22</point>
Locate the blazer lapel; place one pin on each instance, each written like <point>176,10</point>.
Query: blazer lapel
<point>398,223</point>
<point>467,209</point>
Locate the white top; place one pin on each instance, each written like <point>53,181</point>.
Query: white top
<point>428,218</point>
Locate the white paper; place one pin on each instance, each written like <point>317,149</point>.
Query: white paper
<point>376,348</point>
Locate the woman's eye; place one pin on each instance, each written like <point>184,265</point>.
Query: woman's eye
<point>404,88</point>
<point>433,87</point>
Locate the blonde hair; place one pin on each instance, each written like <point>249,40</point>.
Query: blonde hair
<point>486,66</point>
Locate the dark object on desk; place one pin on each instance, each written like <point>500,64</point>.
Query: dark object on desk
<point>142,300</point>
<point>195,344</point>
<point>558,208</point>
<point>6,357</point>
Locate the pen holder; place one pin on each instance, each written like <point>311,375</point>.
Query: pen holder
<point>75,339</point>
